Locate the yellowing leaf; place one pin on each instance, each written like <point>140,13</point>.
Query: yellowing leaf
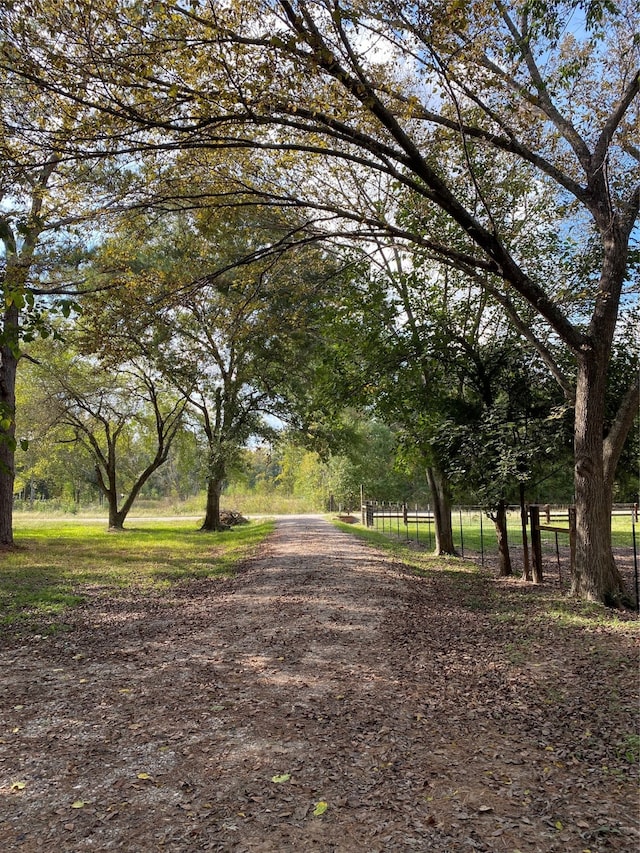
<point>18,786</point>
<point>143,776</point>
<point>320,808</point>
<point>283,777</point>
<point>559,824</point>
<point>78,804</point>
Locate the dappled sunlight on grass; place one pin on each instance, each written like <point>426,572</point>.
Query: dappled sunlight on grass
<point>54,564</point>
<point>503,599</point>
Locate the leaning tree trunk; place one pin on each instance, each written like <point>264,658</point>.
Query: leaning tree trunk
<point>596,576</point>
<point>8,371</point>
<point>441,499</point>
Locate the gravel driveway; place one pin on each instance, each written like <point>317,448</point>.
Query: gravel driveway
<point>323,699</point>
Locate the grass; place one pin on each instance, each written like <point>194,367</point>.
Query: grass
<point>477,590</point>
<point>473,531</point>
<point>54,563</point>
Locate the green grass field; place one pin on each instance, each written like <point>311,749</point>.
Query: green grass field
<point>473,531</point>
<point>514,604</point>
<point>54,563</point>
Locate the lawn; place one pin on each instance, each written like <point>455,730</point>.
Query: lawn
<point>473,531</point>
<point>54,563</point>
<point>506,600</point>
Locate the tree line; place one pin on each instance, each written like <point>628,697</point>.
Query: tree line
<point>276,207</point>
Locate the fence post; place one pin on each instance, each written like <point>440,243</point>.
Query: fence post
<point>525,541</point>
<point>572,541</point>
<point>536,542</point>
<point>635,562</point>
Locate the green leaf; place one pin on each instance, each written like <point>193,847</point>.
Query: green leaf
<point>320,808</point>
<point>283,777</point>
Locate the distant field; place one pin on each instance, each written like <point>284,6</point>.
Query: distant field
<point>194,507</point>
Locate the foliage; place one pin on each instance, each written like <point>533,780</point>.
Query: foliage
<point>509,126</point>
<point>122,417</point>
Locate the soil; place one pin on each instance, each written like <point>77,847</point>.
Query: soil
<point>323,699</point>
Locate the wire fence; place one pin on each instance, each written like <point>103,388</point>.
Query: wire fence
<point>474,535</point>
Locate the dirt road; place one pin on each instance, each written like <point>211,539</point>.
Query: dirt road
<point>322,678</point>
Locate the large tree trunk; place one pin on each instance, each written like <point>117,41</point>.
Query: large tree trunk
<point>212,516</point>
<point>109,489</point>
<point>116,517</point>
<point>441,499</point>
<point>596,576</point>
<point>499,518</point>
<point>215,483</point>
<point>8,371</point>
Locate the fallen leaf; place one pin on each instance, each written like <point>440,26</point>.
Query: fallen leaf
<point>320,808</point>
<point>143,776</point>
<point>18,786</point>
<point>78,804</point>
<point>283,777</point>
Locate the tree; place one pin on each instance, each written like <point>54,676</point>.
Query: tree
<point>515,428</point>
<point>230,330</point>
<point>51,204</point>
<point>121,416</point>
<point>356,94</point>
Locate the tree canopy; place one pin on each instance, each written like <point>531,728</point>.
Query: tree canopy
<point>497,139</point>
